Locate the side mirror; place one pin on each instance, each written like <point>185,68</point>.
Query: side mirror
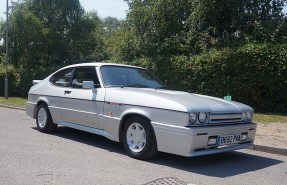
<point>88,84</point>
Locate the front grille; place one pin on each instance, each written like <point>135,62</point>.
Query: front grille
<point>224,118</point>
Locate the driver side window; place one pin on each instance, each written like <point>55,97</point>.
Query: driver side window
<point>84,74</point>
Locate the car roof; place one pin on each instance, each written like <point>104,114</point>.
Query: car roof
<point>99,64</point>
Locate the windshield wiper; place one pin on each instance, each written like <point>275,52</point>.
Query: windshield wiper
<point>135,85</point>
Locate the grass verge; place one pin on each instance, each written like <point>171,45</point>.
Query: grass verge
<point>267,118</point>
<point>13,101</point>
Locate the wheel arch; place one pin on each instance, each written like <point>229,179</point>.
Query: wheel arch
<point>129,114</point>
<point>40,101</point>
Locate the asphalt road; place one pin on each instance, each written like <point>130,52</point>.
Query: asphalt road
<point>75,157</point>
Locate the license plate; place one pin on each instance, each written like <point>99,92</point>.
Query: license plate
<point>229,139</point>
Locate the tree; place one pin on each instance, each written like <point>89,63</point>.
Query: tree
<point>87,44</point>
<point>58,17</point>
<point>46,35</point>
<point>187,27</point>
<point>217,20</point>
<point>26,43</point>
<point>109,24</point>
<point>161,26</point>
<point>122,45</point>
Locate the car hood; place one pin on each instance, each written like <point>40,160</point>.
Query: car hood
<point>172,100</point>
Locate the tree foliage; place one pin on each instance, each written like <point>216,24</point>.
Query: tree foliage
<point>192,26</point>
<point>161,26</point>
<point>46,35</point>
<point>215,47</point>
<point>206,46</point>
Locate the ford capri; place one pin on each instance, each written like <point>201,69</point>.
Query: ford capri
<point>129,104</point>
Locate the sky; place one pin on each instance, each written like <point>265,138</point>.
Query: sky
<point>105,8</point>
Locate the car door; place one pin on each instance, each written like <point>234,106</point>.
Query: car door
<point>55,92</point>
<point>83,106</point>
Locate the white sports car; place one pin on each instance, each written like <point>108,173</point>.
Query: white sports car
<point>129,104</point>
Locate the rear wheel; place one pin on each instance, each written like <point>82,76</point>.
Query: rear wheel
<point>44,120</point>
<point>139,138</point>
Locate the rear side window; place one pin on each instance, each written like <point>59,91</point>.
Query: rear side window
<point>84,74</point>
<point>62,78</point>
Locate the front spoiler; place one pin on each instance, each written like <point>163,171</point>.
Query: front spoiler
<point>192,141</point>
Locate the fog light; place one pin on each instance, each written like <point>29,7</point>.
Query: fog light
<point>212,140</point>
<point>244,136</point>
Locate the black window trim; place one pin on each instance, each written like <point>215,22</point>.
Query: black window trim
<point>70,84</point>
<point>81,67</point>
<point>72,76</point>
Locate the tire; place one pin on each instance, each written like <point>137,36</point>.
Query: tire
<point>44,120</point>
<point>139,139</point>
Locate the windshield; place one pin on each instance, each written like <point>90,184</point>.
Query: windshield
<point>118,76</point>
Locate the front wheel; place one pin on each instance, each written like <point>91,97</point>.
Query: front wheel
<point>139,139</point>
<point>44,120</point>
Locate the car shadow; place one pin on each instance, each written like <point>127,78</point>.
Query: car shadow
<point>88,139</point>
<point>217,165</point>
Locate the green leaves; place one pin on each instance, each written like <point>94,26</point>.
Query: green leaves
<point>46,35</point>
<point>214,47</point>
<point>255,74</point>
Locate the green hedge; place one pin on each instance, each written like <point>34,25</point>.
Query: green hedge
<point>20,79</point>
<point>253,74</point>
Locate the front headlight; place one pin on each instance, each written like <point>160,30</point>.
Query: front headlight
<point>192,117</point>
<point>243,116</point>
<point>248,115</point>
<point>197,118</point>
<point>202,116</point>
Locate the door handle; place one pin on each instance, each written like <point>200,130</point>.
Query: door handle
<point>67,92</point>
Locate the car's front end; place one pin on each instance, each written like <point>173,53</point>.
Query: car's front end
<point>220,132</point>
<point>188,124</point>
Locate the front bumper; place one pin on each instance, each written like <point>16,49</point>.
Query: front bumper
<point>192,141</point>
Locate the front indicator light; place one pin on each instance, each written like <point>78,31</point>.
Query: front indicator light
<point>212,140</point>
<point>244,136</point>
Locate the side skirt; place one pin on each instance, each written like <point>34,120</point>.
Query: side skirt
<point>88,129</point>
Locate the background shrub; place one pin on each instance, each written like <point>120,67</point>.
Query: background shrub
<point>255,74</point>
